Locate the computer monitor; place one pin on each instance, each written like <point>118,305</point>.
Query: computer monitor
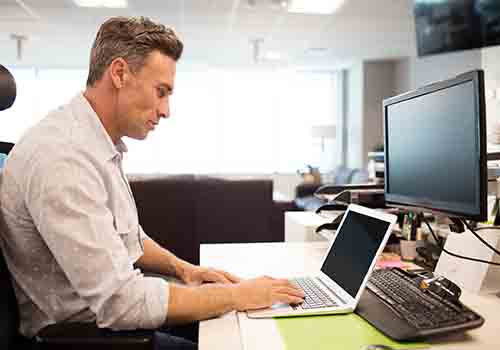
<point>435,148</point>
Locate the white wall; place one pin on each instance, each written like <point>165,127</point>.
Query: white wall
<point>414,72</point>
<point>490,62</point>
<point>444,66</point>
<point>354,116</point>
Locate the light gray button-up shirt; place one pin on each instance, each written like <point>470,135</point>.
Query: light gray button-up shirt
<point>71,232</point>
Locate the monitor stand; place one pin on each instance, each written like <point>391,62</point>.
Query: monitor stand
<point>475,277</point>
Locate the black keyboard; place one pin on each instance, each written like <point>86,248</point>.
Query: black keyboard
<point>413,312</point>
<point>315,297</point>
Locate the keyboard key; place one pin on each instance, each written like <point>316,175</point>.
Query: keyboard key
<point>315,297</point>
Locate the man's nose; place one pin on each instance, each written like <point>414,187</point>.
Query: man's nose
<point>164,110</point>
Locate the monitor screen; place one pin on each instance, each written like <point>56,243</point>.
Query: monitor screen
<point>451,25</point>
<point>435,148</point>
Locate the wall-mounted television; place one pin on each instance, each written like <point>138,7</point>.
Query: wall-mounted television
<point>453,25</point>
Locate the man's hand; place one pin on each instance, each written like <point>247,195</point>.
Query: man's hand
<point>265,291</point>
<point>196,275</point>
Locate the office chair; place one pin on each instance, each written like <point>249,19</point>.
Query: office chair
<point>74,336</point>
<point>7,97</point>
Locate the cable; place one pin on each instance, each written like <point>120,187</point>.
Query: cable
<point>479,237</point>
<point>453,254</point>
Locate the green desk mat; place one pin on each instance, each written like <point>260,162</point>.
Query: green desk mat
<point>345,332</point>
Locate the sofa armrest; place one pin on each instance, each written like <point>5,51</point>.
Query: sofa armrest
<point>278,219</point>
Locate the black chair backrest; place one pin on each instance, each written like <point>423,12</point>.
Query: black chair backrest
<point>5,147</point>
<point>7,89</point>
<point>9,315</point>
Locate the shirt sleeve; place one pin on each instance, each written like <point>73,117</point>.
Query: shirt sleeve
<point>68,203</point>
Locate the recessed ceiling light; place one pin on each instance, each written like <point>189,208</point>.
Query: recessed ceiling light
<point>319,7</point>
<point>102,3</point>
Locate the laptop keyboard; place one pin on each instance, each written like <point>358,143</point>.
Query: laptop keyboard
<point>315,297</point>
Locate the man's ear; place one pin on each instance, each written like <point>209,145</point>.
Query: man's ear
<point>119,72</point>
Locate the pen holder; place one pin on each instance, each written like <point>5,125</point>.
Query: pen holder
<point>408,249</point>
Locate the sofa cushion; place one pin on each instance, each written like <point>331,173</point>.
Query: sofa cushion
<point>234,211</point>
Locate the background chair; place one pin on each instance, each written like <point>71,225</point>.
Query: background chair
<point>306,194</point>
<point>74,336</point>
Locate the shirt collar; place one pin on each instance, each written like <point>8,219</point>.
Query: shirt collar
<point>84,112</point>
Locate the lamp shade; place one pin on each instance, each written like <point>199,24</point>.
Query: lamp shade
<point>323,131</point>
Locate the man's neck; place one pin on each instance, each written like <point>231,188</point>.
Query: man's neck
<point>100,102</point>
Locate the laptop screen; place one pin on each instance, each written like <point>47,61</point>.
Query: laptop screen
<point>353,250</point>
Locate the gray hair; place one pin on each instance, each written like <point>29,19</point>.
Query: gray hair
<point>132,39</point>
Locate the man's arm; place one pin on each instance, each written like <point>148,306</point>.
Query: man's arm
<point>187,304</point>
<point>159,260</point>
<point>192,303</point>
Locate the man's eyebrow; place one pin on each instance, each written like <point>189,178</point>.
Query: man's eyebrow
<point>169,88</point>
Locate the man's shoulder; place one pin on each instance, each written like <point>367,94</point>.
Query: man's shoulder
<point>54,137</point>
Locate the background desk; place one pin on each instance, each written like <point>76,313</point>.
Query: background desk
<point>300,226</point>
<point>236,331</point>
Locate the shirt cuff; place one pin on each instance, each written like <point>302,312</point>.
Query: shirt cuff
<point>143,234</point>
<point>157,301</point>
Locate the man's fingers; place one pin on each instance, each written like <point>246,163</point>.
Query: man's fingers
<point>291,291</point>
<point>215,276</point>
<point>286,283</point>
<point>232,278</point>
<point>269,278</point>
<point>288,299</point>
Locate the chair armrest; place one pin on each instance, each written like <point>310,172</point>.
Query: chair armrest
<point>330,207</point>
<point>334,189</point>
<point>76,336</point>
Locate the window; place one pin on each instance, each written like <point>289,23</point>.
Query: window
<point>38,91</point>
<point>242,122</point>
<point>221,121</point>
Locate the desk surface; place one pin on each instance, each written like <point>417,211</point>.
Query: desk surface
<point>236,331</point>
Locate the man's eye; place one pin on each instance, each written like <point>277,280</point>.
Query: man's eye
<point>161,93</point>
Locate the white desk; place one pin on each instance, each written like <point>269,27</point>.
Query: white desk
<point>236,331</point>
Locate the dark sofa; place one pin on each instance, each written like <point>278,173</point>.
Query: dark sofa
<point>182,211</point>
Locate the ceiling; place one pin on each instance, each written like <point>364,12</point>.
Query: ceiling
<point>217,32</point>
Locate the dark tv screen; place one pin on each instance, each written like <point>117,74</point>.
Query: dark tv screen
<point>452,25</point>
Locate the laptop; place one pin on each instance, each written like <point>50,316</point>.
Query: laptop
<point>346,267</point>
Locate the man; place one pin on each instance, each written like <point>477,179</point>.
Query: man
<point>72,233</point>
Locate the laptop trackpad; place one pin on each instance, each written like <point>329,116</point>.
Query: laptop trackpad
<point>281,307</point>
<point>275,310</point>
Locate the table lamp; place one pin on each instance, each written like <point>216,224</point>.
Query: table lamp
<point>327,131</point>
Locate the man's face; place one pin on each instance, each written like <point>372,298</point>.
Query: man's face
<point>144,98</point>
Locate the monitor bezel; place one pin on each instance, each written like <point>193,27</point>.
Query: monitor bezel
<point>418,204</point>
